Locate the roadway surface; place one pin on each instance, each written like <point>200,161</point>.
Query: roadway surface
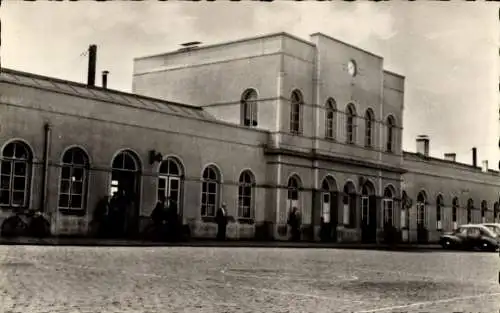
<point>207,279</point>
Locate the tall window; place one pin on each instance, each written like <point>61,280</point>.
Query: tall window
<point>439,212</point>
<point>74,177</point>
<point>327,187</point>
<point>210,191</point>
<point>170,181</point>
<point>295,112</point>
<point>391,125</point>
<point>350,124</point>
<point>421,209</point>
<point>484,208</point>
<point>15,174</point>
<point>330,118</point>
<point>349,202</point>
<point>470,207</point>
<point>454,212</point>
<point>246,195</point>
<point>249,108</point>
<point>388,207</point>
<point>369,121</point>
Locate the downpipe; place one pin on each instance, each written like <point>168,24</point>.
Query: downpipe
<point>46,153</point>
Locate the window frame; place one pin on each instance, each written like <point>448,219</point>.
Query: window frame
<point>71,167</point>
<point>27,166</point>
<point>205,191</point>
<point>248,186</point>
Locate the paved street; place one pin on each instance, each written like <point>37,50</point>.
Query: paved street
<point>206,279</point>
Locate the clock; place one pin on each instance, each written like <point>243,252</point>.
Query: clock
<point>351,68</point>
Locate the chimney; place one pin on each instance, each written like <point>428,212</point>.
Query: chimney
<point>474,157</point>
<point>450,157</point>
<point>92,65</point>
<point>105,79</point>
<point>485,166</point>
<point>423,145</point>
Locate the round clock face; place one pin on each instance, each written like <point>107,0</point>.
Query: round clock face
<point>351,68</point>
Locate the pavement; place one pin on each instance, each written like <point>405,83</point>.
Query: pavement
<point>68,241</point>
<point>69,279</point>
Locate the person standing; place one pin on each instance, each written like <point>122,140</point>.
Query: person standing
<point>294,223</point>
<point>159,217</point>
<point>221,220</point>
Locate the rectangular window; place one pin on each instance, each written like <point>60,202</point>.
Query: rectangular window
<point>326,208</point>
<point>388,212</point>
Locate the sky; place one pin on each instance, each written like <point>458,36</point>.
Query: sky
<point>448,52</point>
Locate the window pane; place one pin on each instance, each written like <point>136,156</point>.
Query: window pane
<point>66,172</point>
<point>6,167</point>
<point>76,201</point>
<point>19,183</point>
<point>203,198</point>
<point>21,152</point>
<point>20,168</point>
<point>247,201</point>
<point>9,150</point>
<point>63,201</point>
<point>212,187</point>
<point>4,197</point>
<point>77,188</point>
<point>211,199</point>
<point>5,182</point>
<point>129,163</point>
<point>174,184</point>
<point>78,174</point>
<point>65,186</point>
<point>18,198</point>
<point>79,157</point>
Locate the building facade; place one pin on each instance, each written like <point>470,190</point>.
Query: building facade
<point>273,123</point>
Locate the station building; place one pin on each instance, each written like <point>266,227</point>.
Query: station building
<point>263,124</point>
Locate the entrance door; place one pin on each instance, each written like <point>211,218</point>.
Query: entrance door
<point>368,219</point>
<point>126,216</point>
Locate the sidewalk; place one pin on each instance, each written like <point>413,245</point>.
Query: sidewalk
<point>62,241</point>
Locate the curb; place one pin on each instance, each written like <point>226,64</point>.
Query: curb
<point>214,244</point>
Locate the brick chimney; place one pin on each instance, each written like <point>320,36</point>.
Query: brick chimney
<point>423,145</point>
<point>450,157</point>
<point>92,65</point>
<point>474,157</point>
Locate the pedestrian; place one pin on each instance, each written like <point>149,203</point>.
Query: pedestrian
<point>172,220</point>
<point>158,216</point>
<point>221,220</point>
<point>100,218</point>
<point>294,223</point>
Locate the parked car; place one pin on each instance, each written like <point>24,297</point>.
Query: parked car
<point>493,226</point>
<point>471,236</point>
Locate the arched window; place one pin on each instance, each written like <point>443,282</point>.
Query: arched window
<point>249,108</point>
<point>496,210</point>
<point>391,124</point>
<point>295,112</point>
<point>405,206</point>
<point>330,118</point>
<point>74,178</point>
<point>484,208</point>
<point>350,124</point>
<point>329,200</point>
<point>439,212</point>
<point>369,121</point>
<point>210,191</point>
<point>470,207</point>
<point>126,174</point>
<point>170,181</point>
<point>16,169</point>
<point>421,209</point>
<point>454,212</point>
<point>246,195</point>
<point>388,206</point>
<point>349,201</point>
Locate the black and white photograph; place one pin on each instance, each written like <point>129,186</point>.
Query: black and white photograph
<point>249,156</point>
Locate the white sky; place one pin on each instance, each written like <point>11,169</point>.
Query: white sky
<point>447,51</point>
